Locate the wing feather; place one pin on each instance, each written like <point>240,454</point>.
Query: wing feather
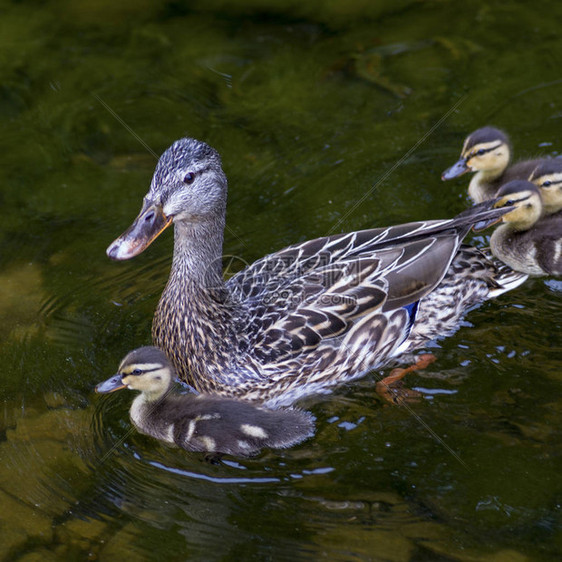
<point>313,295</point>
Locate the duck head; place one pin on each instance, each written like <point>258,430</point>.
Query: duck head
<point>188,186</point>
<point>146,369</point>
<point>486,149</point>
<point>524,200</point>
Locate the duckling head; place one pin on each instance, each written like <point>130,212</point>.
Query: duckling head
<point>525,200</point>
<point>485,150</point>
<point>146,369</point>
<point>188,186</point>
<point>547,176</point>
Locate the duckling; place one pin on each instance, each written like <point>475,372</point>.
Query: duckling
<point>204,422</point>
<point>547,176</point>
<point>487,152</point>
<point>525,241</point>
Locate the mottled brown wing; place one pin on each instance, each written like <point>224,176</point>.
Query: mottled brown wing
<point>316,306</point>
<point>313,292</point>
<point>293,262</point>
<point>326,303</point>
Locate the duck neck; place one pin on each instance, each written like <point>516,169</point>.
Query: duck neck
<point>146,415</point>
<point>551,207</point>
<point>197,258</point>
<point>147,396</point>
<point>483,184</point>
<point>501,243</point>
<point>502,239</point>
<point>492,174</point>
<point>137,411</point>
<point>195,303</point>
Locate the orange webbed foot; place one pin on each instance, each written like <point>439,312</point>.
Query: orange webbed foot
<point>391,387</point>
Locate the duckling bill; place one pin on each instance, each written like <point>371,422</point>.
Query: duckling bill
<point>201,423</point>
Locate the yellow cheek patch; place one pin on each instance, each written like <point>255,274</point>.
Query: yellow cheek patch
<point>127,380</point>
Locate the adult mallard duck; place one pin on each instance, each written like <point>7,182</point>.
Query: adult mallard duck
<point>206,423</point>
<point>547,176</point>
<point>487,152</point>
<point>527,240</point>
<point>299,320</point>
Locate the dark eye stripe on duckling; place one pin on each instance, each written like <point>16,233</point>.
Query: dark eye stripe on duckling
<point>484,136</point>
<point>142,369</point>
<point>550,182</point>
<point>482,149</point>
<point>507,202</point>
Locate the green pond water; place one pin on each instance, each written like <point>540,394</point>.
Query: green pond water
<point>330,116</point>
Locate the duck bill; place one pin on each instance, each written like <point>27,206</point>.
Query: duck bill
<point>457,169</point>
<point>147,226</point>
<point>110,385</point>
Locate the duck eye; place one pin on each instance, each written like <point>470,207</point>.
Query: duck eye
<point>480,152</point>
<point>546,183</point>
<point>136,372</point>
<point>188,178</point>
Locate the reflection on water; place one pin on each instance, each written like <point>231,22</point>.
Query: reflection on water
<point>310,107</point>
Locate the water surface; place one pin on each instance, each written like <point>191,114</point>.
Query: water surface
<point>329,118</point>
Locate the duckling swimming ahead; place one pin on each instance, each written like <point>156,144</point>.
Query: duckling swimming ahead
<point>487,152</point>
<point>201,422</point>
<point>527,241</point>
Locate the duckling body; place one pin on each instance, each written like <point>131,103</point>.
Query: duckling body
<point>487,152</point>
<point>526,240</point>
<point>299,320</point>
<point>204,423</point>
<point>483,187</point>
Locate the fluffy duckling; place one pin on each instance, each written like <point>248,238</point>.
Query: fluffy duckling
<point>487,152</point>
<point>203,422</point>
<point>547,176</point>
<point>525,241</point>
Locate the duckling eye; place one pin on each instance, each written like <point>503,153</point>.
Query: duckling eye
<point>189,178</point>
<point>136,372</point>
<point>546,183</point>
<point>480,152</point>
